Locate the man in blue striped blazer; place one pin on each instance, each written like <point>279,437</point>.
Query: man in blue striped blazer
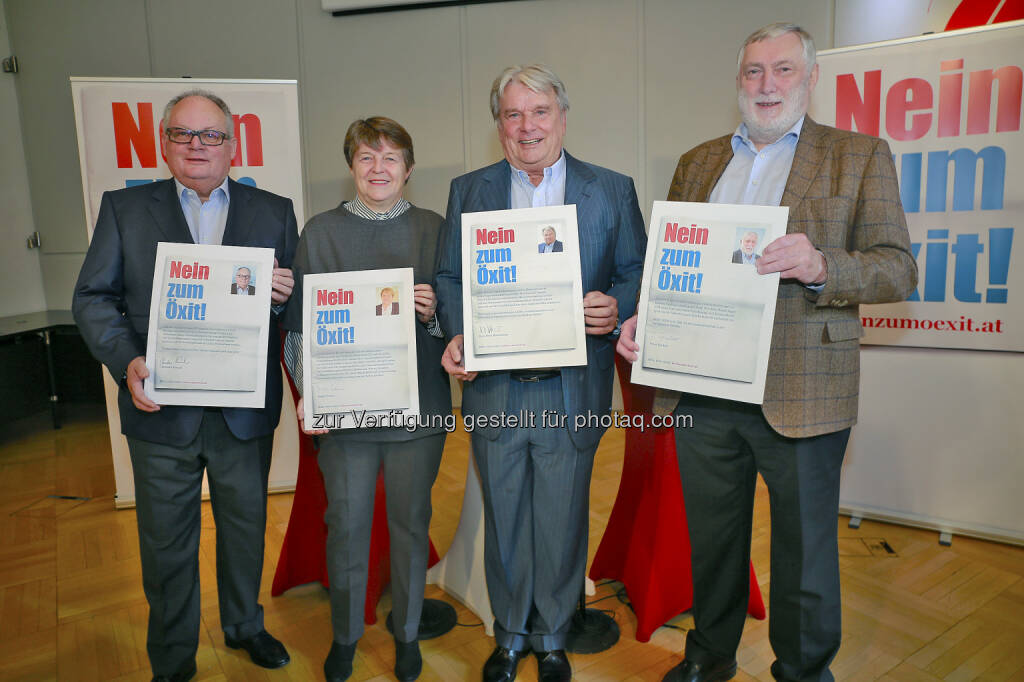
<point>536,480</point>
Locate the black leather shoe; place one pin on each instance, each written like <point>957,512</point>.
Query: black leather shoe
<point>688,671</point>
<point>553,666</point>
<point>264,650</point>
<point>181,676</point>
<point>338,666</point>
<point>408,661</point>
<point>502,664</point>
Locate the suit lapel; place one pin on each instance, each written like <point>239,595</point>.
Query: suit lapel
<point>579,182</point>
<point>495,194</point>
<point>239,215</point>
<point>165,208</point>
<point>718,159</point>
<point>809,155</point>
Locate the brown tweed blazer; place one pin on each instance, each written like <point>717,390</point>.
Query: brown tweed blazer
<point>843,194</point>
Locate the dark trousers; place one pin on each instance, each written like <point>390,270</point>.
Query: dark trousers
<point>168,496</point>
<point>719,459</point>
<point>350,471</point>
<point>536,492</point>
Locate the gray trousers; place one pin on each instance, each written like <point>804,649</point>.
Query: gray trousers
<point>536,491</point>
<point>350,478</point>
<point>719,459</point>
<point>168,496</point>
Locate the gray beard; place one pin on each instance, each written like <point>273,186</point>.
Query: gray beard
<point>792,109</point>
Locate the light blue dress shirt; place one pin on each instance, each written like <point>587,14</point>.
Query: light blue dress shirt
<point>550,191</point>
<point>757,177</point>
<point>206,220</point>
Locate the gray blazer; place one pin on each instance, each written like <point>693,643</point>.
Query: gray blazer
<point>612,245</point>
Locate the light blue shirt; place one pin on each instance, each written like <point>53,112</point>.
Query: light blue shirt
<point>550,191</point>
<point>757,177</point>
<point>206,220</point>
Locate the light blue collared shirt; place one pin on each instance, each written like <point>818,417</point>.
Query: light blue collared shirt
<point>550,191</point>
<point>757,177</point>
<point>206,220</point>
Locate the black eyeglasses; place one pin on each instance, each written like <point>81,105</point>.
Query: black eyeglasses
<point>209,138</point>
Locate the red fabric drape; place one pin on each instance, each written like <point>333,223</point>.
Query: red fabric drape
<point>646,545</point>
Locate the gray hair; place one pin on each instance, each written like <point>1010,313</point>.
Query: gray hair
<point>537,77</point>
<point>229,123</point>
<point>781,28</point>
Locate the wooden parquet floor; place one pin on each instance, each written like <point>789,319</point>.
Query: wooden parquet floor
<point>72,608</point>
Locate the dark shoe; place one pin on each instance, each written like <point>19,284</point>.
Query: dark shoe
<point>688,671</point>
<point>408,661</point>
<point>502,664</point>
<point>264,650</point>
<point>338,666</point>
<point>181,676</point>
<point>553,666</point>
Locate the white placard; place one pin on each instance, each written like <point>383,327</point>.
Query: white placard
<point>523,305</point>
<point>705,315</point>
<point>359,349</point>
<point>207,343</point>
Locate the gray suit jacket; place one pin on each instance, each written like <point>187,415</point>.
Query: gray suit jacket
<point>612,244</point>
<point>843,194</point>
<point>114,289</point>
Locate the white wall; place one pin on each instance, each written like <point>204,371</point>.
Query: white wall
<point>20,275</point>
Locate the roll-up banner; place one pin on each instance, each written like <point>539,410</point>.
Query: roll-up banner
<point>949,106</point>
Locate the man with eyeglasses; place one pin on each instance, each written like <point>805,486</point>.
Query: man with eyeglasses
<point>241,286</point>
<point>171,446</point>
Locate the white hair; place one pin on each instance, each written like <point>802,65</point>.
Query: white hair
<point>781,28</point>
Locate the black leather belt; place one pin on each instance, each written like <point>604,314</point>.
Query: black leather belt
<point>533,375</point>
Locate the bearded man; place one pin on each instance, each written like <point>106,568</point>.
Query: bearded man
<point>846,244</point>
